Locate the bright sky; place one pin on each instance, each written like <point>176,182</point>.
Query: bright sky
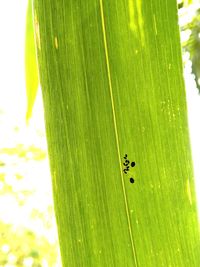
<point>12,25</point>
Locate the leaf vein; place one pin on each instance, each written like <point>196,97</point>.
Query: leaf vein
<point>115,127</point>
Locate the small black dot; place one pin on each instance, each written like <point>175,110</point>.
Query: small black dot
<point>132,164</point>
<point>132,180</point>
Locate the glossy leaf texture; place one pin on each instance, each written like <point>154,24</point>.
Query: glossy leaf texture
<point>112,84</point>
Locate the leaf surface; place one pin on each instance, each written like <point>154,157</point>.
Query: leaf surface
<point>31,68</point>
<point>112,83</point>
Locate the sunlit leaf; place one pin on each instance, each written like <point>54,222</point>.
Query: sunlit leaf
<point>31,69</point>
<point>112,83</point>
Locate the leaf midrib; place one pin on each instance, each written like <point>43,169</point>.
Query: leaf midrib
<point>115,128</point>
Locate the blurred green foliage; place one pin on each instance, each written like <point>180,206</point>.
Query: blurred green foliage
<point>20,243</point>
<point>25,152</point>
<point>192,45</point>
<point>191,28</point>
<point>22,247</point>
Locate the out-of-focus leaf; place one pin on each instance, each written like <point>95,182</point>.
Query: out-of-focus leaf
<point>31,68</point>
<point>192,45</point>
<point>187,2</point>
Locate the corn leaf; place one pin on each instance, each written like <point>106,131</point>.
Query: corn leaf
<point>113,92</point>
<point>31,68</point>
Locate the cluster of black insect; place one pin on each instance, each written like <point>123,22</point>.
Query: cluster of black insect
<point>127,165</point>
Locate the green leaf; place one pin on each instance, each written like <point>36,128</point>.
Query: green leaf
<point>31,68</point>
<point>112,84</point>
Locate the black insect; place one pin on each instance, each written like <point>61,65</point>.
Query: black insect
<point>126,170</point>
<point>133,164</point>
<point>127,165</point>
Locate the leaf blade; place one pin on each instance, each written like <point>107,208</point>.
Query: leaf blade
<point>31,68</point>
<point>90,203</point>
